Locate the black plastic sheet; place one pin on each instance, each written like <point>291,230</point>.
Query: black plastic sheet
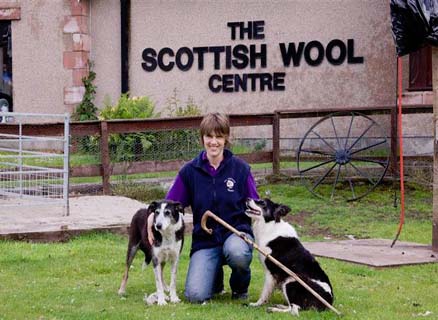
<point>414,24</point>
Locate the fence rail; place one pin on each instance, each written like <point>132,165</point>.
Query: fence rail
<point>103,130</point>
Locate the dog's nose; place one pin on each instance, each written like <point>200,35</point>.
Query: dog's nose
<point>158,226</point>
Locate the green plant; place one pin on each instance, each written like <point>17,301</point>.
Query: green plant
<point>176,108</point>
<point>86,110</point>
<point>177,144</point>
<point>130,146</point>
<point>138,191</point>
<point>129,108</point>
<point>260,145</point>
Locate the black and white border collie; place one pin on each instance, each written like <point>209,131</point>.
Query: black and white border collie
<point>279,239</point>
<point>167,227</point>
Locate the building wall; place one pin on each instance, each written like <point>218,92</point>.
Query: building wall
<point>105,48</point>
<point>175,24</point>
<point>38,42</point>
<point>41,39</point>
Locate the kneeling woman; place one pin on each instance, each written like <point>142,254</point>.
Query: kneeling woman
<point>218,181</point>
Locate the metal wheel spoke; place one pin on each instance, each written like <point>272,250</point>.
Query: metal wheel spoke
<point>381,162</point>
<point>360,137</point>
<point>336,134</point>
<point>323,177</point>
<point>329,145</point>
<point>336,181</point>
<point>361,173</point>
<point>368,147</point>
<point>324,153</point>
<point>318,165</point>
<point>365,149</point>
<point>349,131</point>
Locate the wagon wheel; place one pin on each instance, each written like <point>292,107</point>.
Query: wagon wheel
<point>343,155</point>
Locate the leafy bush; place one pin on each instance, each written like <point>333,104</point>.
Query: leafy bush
<point>177,144</point>
<point>161,145</point>
<point>129,108</point>
<point>85,111</point>
<point>176,108</point>
<point>129,146</point>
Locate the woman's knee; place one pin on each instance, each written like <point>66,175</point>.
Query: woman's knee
<point>203,268</point>
<point>196,296</point>
<point>238,253</point>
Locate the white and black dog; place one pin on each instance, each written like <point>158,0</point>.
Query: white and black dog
<point>168,232</point>
<point>279,239</point>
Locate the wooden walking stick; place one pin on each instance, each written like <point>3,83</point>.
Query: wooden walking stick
<point>242,235</point>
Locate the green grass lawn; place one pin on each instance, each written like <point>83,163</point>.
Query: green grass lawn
<point>79,279</point>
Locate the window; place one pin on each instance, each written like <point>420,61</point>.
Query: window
<point>420,70</point>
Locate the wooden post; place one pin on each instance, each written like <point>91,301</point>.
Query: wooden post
<point>435,149</point>
<point>104,157</point>
<point>276,144</point>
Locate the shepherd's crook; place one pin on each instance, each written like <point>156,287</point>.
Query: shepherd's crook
<point>242,235</point>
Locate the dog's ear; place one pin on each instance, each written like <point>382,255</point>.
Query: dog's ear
<point>180,207</point>
<point>152,206</point>
<point>281,211</point>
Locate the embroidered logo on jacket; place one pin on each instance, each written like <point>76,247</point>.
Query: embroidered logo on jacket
<point>229,183</point>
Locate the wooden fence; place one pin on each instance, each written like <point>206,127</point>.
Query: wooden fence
<point>105,128</point>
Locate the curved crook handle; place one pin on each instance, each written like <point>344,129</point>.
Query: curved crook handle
<point>204,218</point>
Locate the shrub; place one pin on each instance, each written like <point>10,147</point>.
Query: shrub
<point>86,110</point>
<point>161,145</point>
<point>129,146</point>
<point>177,144</point>
<point>129,108</point>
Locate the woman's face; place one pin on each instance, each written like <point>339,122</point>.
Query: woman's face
<point>214,144</point>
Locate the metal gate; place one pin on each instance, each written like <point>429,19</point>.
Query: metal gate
<point>33,169</point>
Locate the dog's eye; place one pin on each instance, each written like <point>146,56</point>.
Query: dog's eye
<point>167,212</point>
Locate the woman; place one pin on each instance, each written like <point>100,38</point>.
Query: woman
<point>218,181</point>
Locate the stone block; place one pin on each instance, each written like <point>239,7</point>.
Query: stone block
<point>75,59</point>
<point>75,24</point>
<point>428,97</point>
<point>79,8</point>
<point>10,13</point>
<point>81,42</point>
<point>74,94</point>
<point>412,98</point>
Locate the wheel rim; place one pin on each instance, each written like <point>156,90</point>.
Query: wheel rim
<point>343,155</point>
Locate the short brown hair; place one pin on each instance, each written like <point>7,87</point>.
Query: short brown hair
<point>216,123</point>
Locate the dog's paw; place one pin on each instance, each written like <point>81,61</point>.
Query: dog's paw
<point>295,310</point>
<point>255,304</point>
<point>161,302</point>
<point>151,299</point>
<point>175,299</point>
<point>121,292</point>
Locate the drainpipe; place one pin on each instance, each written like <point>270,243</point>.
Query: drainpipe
<point>125,9</point>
